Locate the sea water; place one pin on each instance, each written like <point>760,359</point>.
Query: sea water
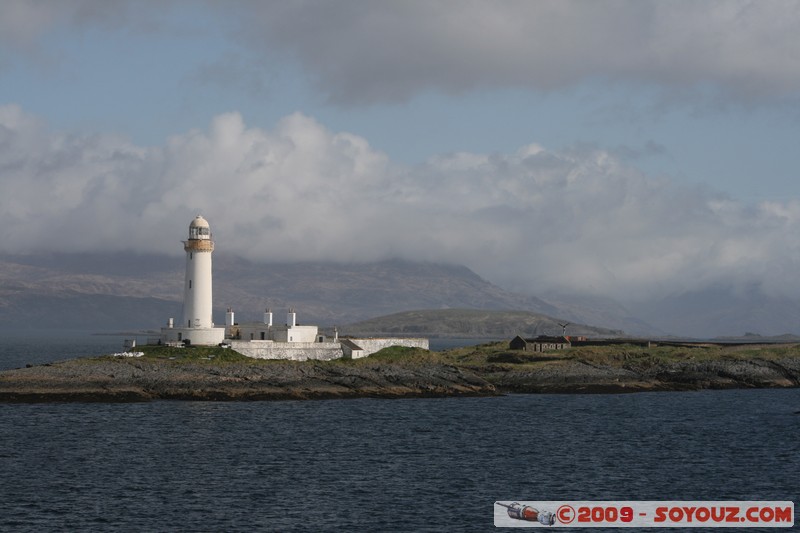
<point>19,347</point>
<point>384,465</point>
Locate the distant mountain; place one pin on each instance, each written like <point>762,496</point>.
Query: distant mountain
<point>723,311</point>
<point>469,323</point>
<point>96,291</point>
<point>600,311</point>
<point>330,293</point>
<point>119,291</point>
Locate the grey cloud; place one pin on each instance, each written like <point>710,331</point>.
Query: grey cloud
<point>358,52</point>
<point>231,71</point>
<point>535,219</point>
<point>362,52</point>
<point>648,149</point>
<point>23,23</point>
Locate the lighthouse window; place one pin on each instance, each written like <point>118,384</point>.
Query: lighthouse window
<point>190,284</point>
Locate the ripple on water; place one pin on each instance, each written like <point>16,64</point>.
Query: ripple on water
<point>394,465</point>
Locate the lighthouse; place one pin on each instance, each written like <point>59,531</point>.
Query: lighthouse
<point>197,300</point>
<point>197,324</point>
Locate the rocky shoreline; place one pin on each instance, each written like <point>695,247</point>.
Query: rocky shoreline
<point>108,379</point>
<point>576,376</point>
<point>130,380</point>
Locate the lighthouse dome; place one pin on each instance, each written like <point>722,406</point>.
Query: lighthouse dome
<point>199,222</point>
<point>199,229</point>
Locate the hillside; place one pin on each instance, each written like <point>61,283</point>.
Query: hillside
<point>469,323</point>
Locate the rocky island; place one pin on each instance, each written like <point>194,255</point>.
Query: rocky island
<point>203,373</point>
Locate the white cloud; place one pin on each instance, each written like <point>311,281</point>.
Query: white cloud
<point>533,219</point>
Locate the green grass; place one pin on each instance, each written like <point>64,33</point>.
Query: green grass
<point>395,352</point>
<point>497,354</point>
<point>627,355</point>
<point>397,355</point>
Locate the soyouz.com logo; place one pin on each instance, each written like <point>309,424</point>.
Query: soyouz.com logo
<point>644,514</point>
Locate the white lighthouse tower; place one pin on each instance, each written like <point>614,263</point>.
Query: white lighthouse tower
<point>197,299</point>
<point>197,325</point>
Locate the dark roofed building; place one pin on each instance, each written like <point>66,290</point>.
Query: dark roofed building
<point>539,344</point>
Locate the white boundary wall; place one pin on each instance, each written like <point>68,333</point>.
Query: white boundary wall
<point>370,346</point>
<point>294,351</point>
<point>321,351</point>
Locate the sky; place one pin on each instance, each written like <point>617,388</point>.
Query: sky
<point>632,149</point>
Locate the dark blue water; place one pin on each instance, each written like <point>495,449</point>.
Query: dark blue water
<point>378,465</point>
<point>384,465</point>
